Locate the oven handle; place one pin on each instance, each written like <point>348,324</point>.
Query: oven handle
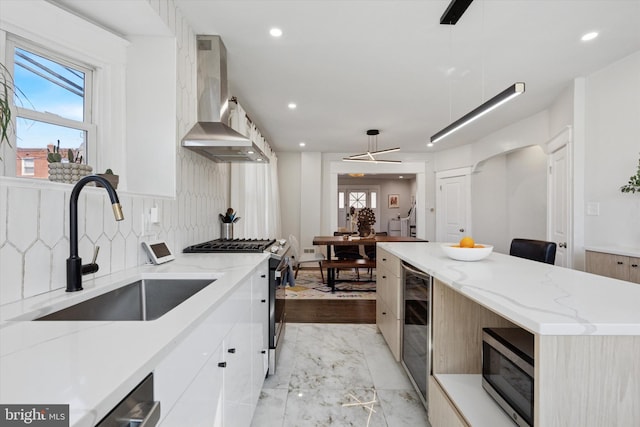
<point>284,265</point>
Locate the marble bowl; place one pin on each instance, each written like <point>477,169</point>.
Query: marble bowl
<point>467,254</point>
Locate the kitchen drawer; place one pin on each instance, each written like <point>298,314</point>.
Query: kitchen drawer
<point>390,327</point>
<point>614,266</point>
<point>389,262</point>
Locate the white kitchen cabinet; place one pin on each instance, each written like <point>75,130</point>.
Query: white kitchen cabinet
<point>213,377</point>
<point>389,300</point>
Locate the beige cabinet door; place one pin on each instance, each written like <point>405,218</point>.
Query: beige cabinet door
<point>634,270</point>
<point>615,266</point>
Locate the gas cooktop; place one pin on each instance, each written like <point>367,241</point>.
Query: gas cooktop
<point>233,245</point>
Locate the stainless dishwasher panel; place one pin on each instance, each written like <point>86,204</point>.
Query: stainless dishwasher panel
<point>138,409</point>
<point>416,327</point>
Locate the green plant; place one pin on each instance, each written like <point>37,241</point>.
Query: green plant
<point>108,172</point>
<point>6,91</point>
<point>56,157</point>
<point>633,185</point>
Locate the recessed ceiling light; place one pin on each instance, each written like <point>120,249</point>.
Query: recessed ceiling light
<point>401,177</point>
<point>275,32</point>
<point>292,106</point>
<point>259,159</point>
<point>302,144</point>
<point>429,144</point>
<point>589,36</point>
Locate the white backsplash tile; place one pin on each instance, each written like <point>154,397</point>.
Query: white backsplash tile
<point>51,217</point>
<point>94,215</point>
<point>12,273</point>
<point>22,227</point>
<point>37,270</point>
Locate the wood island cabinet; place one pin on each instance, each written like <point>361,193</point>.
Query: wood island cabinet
<point>612,265</point>
<point>389,300</point>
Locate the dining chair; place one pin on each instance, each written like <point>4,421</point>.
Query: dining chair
<point>304,258</point>
<point>347,251</point>
<point>536,250</point>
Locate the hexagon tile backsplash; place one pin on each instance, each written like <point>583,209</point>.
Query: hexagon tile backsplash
<point>34,226</point>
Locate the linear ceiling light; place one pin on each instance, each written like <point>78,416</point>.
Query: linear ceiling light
<point>454,11</point>
<point>504,96</point>
<point>372,151</point>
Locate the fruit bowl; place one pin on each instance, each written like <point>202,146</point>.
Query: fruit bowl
<point>454,251</point>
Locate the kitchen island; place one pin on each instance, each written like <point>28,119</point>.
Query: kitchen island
<point>586,329</point>
<point>92,365</point>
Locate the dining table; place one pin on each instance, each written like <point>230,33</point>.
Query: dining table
<point>330,241</point>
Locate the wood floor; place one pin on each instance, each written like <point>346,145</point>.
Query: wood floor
<point>331,311</point>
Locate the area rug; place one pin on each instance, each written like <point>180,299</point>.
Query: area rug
<point>309,286</point>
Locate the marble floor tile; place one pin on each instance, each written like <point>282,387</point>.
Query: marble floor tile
<point>320,408</point>
<point>325,368</point>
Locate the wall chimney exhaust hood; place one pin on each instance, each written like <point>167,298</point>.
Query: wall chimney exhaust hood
<point>211,136</point>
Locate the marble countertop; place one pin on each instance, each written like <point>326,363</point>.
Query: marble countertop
<point>93,365</point>
<point>541,298</point>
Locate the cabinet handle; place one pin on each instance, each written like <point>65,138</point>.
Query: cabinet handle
<point>263,275</point>
<point>634,265</point>
<point>384,259</point>
<point>232,350</point>
<point>384,277</point>
<point>222,364</point>
<point>384,313</point>
<point>620,262</point>
<point>263,351</point>
<point>263,300</point>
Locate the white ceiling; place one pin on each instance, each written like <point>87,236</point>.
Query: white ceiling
<point>353,65</point>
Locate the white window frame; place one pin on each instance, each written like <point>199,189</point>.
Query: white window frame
<point>23,112</point>
<point>22,166</point>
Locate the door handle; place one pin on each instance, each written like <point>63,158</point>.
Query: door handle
<point>461,230</point>
<point>562,244</point>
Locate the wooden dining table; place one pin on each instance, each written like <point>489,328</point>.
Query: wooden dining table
<point>332,266</point>
<point>354,240</point>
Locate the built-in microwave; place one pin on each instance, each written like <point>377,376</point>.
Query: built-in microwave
<point>507,371</point>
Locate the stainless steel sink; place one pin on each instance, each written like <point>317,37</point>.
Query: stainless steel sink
<point>146,299</point>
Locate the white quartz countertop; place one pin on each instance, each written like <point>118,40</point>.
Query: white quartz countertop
<point>92,365</point>
<point>542,298</point>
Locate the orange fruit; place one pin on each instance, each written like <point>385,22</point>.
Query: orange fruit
<point>467,242</point>
<point>479,246</point>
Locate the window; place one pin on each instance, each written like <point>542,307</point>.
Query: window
<point>358,199</point>
<point>53,105</point>
<point>28,167</point>
<point>340,199</point>
<point>374,200</point>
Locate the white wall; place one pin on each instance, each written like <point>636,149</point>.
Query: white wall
<point>290,192</point>
<point>34,240</point>
<point>612,112</point>
<point>151,111</point>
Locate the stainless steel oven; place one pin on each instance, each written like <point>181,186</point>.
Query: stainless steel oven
<point>416,328</point>
<point>278,268</point>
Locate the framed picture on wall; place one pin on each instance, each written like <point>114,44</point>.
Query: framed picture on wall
<point>394,201</point>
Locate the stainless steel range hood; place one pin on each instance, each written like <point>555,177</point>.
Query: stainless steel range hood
<point>211,136</point>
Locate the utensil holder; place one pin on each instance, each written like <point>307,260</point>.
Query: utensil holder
<point>226,230</point>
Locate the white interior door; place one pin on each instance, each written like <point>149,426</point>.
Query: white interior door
<point>453,205</point>
<point>559,200</point>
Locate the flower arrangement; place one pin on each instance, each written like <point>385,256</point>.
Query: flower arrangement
<point>633,185</point>
<point>366,219</point>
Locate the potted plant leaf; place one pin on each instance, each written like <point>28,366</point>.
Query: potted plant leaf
<point>633,185</point>
<point>6,92</point>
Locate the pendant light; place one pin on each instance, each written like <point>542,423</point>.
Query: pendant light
<point>504,96</point>
<point>372,151</point>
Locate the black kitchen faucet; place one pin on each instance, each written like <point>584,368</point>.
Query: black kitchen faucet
<point>74,262</point>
